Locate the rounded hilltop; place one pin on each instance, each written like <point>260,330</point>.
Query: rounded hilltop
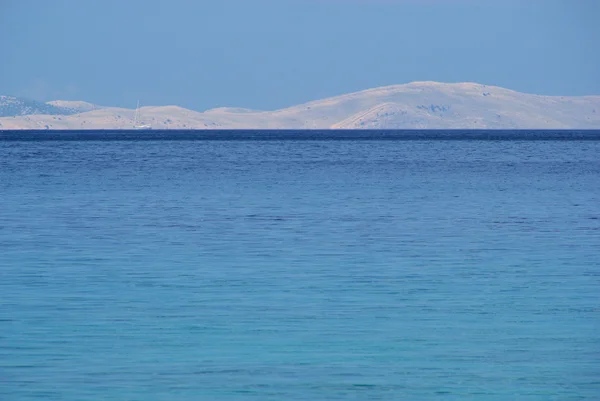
<point>77,105</point>
<point>224,110</point>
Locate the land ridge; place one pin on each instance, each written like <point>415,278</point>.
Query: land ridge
<point>416,105</point>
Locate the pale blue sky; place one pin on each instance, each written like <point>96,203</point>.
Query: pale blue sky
<point>267,54</point>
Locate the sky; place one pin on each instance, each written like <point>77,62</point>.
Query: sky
<point>269,54</point>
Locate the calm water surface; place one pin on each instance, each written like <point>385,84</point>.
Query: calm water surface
<point>299,270</point>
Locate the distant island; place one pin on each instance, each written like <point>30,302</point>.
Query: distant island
<point>417,105</point>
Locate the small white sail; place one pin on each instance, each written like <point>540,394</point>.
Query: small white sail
<point>137,124</point>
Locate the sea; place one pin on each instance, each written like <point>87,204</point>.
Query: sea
<point>300,265</point>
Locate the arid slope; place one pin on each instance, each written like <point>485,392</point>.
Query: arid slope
<point>415,105</point>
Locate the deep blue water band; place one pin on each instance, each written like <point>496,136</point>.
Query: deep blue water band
<point>313,135</point>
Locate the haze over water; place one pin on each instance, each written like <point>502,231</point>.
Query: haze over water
<point>155,269</point>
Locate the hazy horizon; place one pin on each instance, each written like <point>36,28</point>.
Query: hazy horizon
<point>272,54</point>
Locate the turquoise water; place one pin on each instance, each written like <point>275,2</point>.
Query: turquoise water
<point>299,270</point>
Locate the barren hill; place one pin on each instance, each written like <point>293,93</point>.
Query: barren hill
<point>416,105</point>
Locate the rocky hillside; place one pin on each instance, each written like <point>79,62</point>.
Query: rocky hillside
<point>77,106</point>
<point>11,106</point>
<point>426,105</point>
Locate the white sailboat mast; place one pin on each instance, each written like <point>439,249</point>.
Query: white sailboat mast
<point>135,118</point>
<point>137,124</point>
